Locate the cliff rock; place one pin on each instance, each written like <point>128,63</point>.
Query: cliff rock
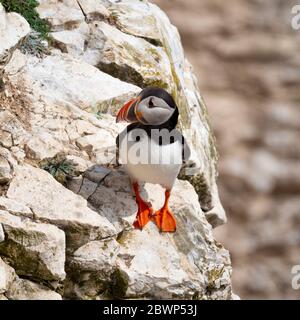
<point>65,213</point>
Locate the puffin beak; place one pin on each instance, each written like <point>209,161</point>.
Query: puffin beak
<point>128,113</point>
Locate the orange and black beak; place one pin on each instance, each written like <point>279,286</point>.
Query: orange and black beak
<point>128,112</point>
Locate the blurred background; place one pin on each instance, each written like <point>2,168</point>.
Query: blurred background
<point>247,59</point>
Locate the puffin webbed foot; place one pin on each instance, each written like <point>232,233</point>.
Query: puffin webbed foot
<point>143,216</point>
<point>164,218</point>
<point>145,210</point>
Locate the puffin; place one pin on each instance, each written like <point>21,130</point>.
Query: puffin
<point>152,150</point>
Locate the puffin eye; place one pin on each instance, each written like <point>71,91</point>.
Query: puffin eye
<point>151,105</point>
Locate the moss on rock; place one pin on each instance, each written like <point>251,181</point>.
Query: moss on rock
<point>26,8</point>
<point>119,284</point>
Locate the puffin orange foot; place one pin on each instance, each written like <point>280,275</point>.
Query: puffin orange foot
<point>165,220</point>
<point>145,210</point>
<point>143,216</point>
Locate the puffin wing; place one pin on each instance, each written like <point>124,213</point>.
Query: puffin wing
<point>186,151</point>
<point>120,138</point>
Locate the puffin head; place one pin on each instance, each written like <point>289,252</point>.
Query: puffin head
<point>152,107</point>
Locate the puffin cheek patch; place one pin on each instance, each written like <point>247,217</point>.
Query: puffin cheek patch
<point>157,115</point>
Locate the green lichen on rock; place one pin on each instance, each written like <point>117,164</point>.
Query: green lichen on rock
<point>176,88</point>
<point>29,264</point>
<point>180,100</point>
<point>124,73</point>
<point>110,106</point>
<point>212,276</point>
<point>133,60</point>
<point>149,75</point>
<point>212,139</point>
<point>201,187</point>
